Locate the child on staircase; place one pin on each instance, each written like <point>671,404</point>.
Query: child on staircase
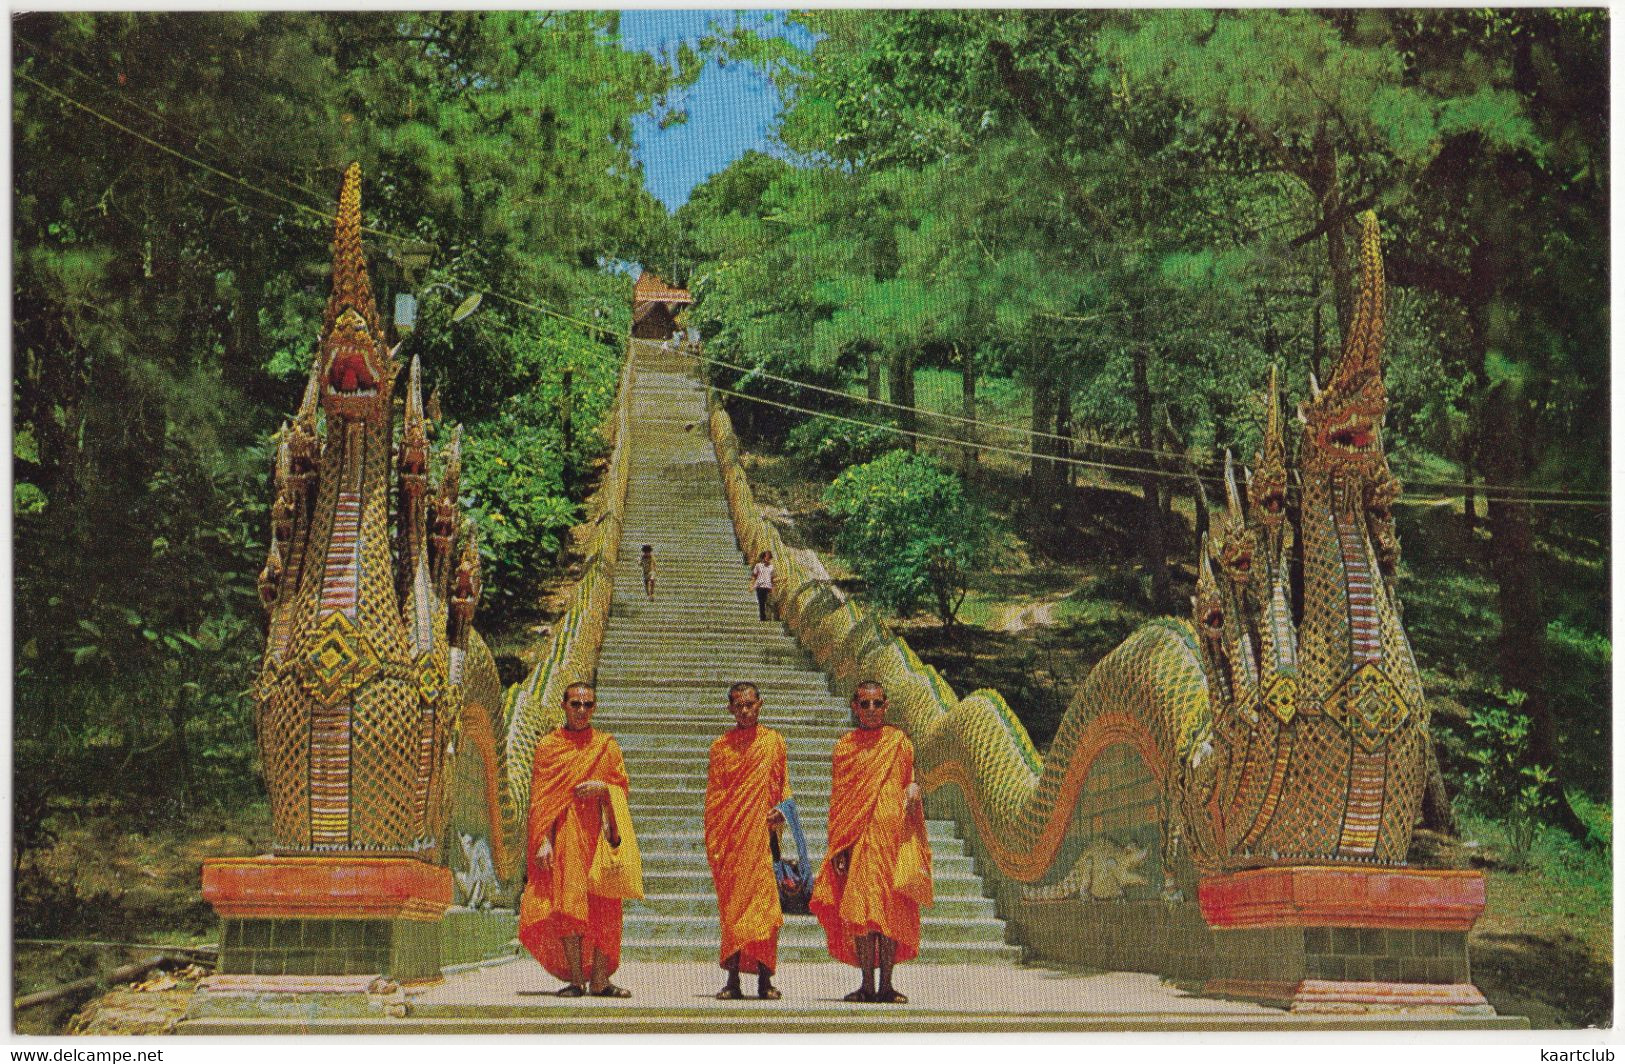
<point>647,564</point>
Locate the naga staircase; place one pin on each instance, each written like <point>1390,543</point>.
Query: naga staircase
<point>1272,761</point>
<point>663,680</point>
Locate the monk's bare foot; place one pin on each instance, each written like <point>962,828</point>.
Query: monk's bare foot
<point>611,990</point>
<point>571,990</point>
<point>768,992</point>
<point>730,993</point>
<point>860,994</point>
<point>889,996</point>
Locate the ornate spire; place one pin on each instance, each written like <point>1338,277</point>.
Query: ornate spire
<point>1231,495</point>
<point>1361,365</point>
<point>351,287</point>
<point>357,369</point>
<point>1266,486</point>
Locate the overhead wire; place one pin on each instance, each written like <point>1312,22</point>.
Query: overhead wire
<point>1068,460</point>
<point>125,100</point>
<point>1489,492</point>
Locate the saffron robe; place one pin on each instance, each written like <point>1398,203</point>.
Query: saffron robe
<point>747,778</point>
<point>888,875</point>
<point>556,903</point>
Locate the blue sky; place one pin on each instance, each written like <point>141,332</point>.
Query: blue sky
<point>731,109</point>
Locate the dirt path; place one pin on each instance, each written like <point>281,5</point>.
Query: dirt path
<point>1013,619</point>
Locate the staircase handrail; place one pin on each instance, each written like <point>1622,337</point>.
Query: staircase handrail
<point>534,705</point>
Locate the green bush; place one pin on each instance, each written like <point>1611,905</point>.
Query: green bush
<point>522,485</point>
<point>909,531</point>
<point>1502,783</point>
<point>834,445</point>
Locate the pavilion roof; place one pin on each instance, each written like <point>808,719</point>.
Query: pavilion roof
<point>651,289</point>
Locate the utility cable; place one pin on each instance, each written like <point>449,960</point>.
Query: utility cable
<point>1130,470</point>
<point>1487,491</point>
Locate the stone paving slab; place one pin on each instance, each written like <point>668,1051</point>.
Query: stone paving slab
<point>819,987</point>
<point>678,998</point>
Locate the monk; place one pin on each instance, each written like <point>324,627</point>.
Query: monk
<point>746,781</point>
<point>878,873</point>
<point>575,935</point>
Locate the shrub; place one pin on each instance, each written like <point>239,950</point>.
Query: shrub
<point>834,445</point>
<point>1502,783</point>
<point>909,531</point>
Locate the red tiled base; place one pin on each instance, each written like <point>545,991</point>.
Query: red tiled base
<point>1326,896</point>
<point>390,888</point>
<point>1332,996</point>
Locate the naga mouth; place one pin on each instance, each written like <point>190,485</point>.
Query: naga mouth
<point>349,375</point>
<point>1356,438</point>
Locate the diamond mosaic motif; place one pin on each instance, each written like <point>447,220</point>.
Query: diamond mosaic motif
<point>341,661</point>
<point>1368,706</point>
<point>1282,698</point>
<point>431,679</point>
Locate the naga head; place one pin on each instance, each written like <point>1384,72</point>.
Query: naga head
<point>1343,421</point>
<point>356,368</point>
<point>1232,545</point>
<point>1266,486</point>
<point>413,460</point>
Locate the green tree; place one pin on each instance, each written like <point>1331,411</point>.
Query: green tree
<point>909,531</point>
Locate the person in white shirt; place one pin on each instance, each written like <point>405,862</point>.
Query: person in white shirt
<point>761,578</point>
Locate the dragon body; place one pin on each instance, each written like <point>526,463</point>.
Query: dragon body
<point>1249,733</point>
<point>373,674</point>
<point>1271,737</point>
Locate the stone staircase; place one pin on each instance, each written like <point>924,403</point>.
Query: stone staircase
<point>663,683</point>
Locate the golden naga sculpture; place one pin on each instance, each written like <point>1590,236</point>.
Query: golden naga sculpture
<point>1250,734</point>
<point>1273,738</point>
<point>372,669</point>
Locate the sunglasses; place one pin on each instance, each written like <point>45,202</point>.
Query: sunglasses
<point>869,703</point>
<point>577,704</point>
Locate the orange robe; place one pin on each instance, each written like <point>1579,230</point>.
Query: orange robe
<point>556,904</point>
<point>888,875</point>
<point>747,779</point>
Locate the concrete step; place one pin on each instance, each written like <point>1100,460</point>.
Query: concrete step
<point>697,701</point>
<point>703,905</point>
<point>802,931</point>
<point>946,868</point>
<point>665,883</point>
<point>822,736</point>
<point>673,741</point>
<point>683,821</point>
<point>691,839</point>
<point>710,678</point>
<point>706,949</point>
<point>810,804</point>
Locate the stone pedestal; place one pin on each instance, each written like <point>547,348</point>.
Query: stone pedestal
<point>329,916</point>
<point>1322,938</point>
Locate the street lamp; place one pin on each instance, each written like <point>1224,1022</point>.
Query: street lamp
<point>406,307</point>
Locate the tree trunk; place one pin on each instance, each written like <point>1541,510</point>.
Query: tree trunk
<point>967,408</point>
<point>1329,192</point>
<point>1521,647</point>
<point>902,392</point>
<point>183,753</point>
<point>1317,345</point>
<point>873,385</point>
<point>1063,427</point>
<point>1041,481</point>
<point>1469,503</point>
<point>1437,814</point>
<point>1153,551</point>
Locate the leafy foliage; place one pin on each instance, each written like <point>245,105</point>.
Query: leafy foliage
<point>833,445</point>
<point>1503,783</point>
<point>909,530</point>
<point>165,318</point>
